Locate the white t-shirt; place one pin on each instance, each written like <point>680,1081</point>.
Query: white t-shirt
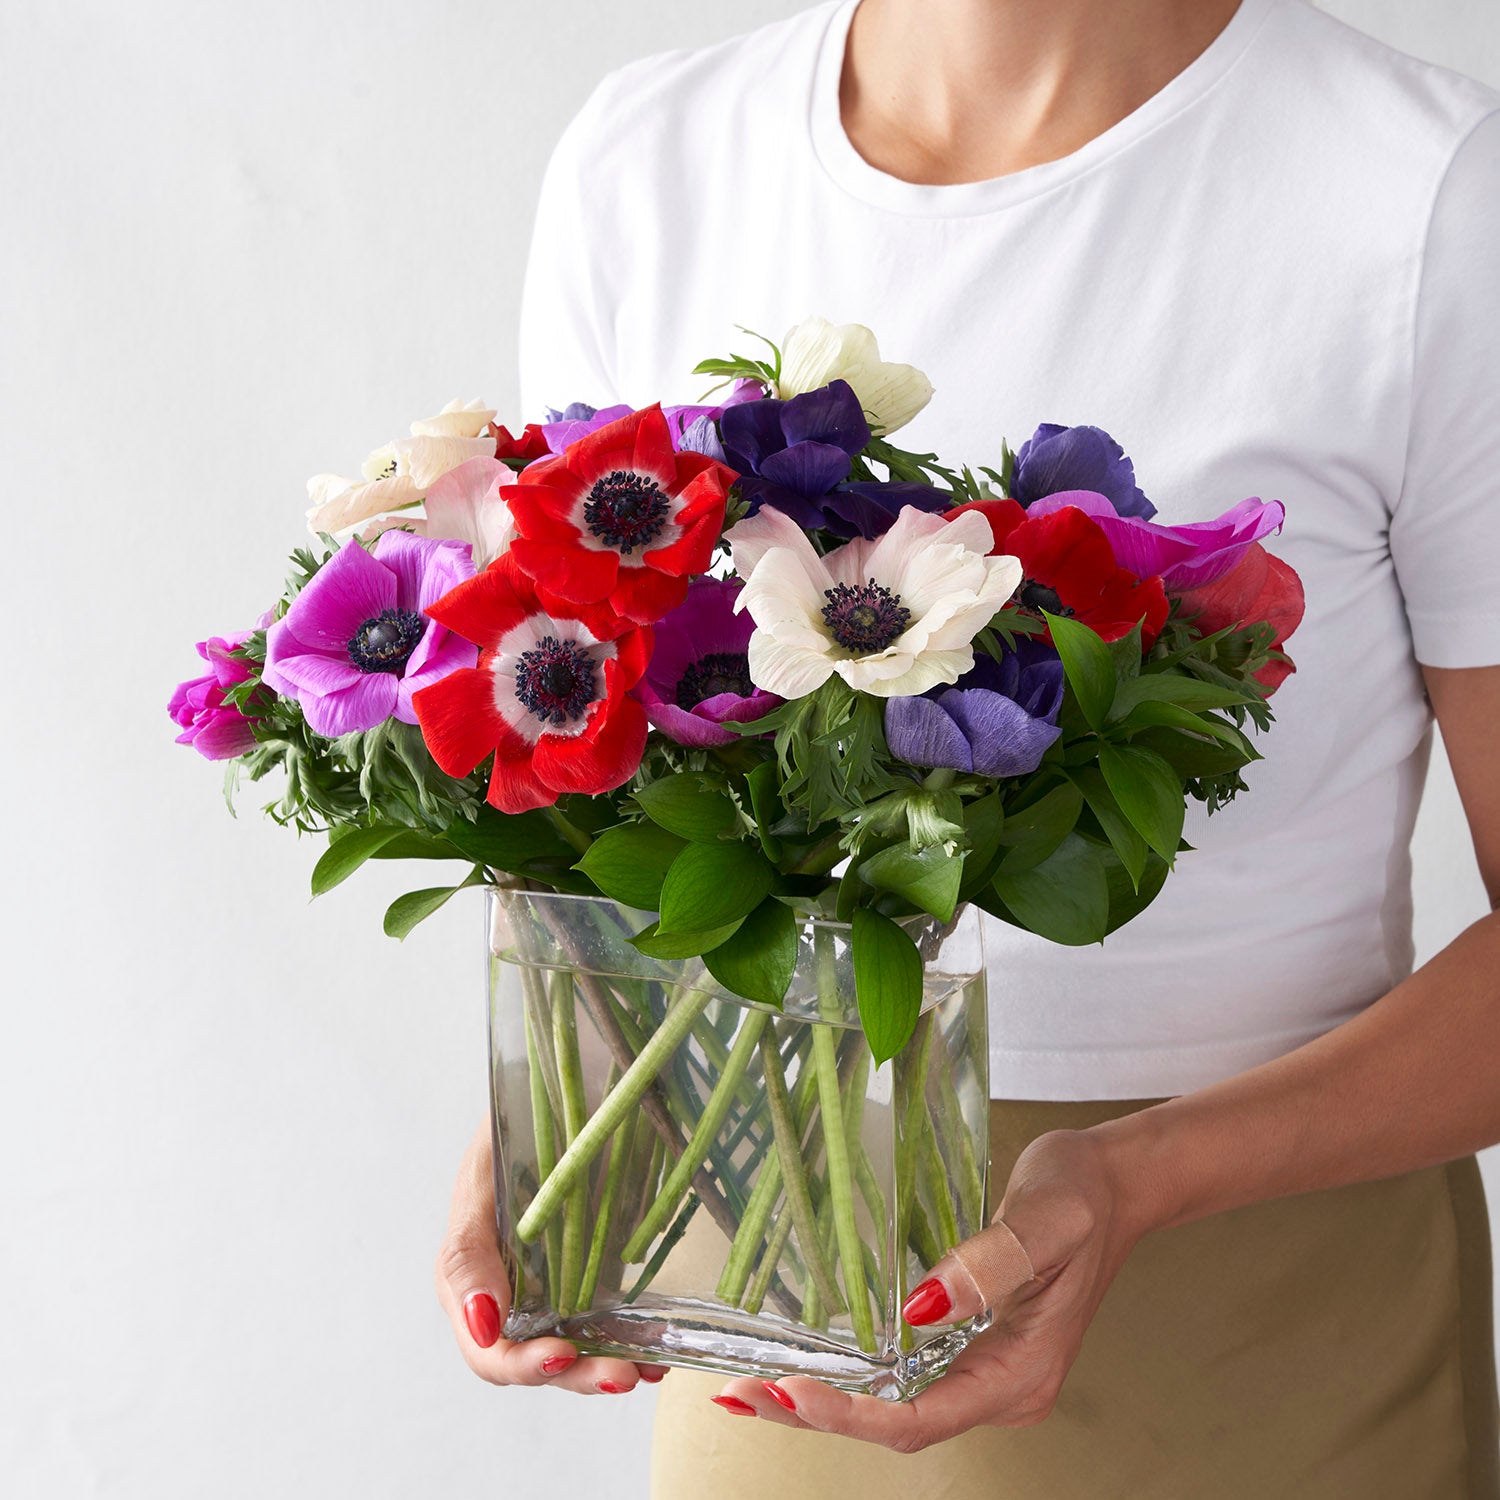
<point>1280,276</point>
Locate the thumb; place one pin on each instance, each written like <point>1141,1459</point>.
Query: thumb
<point>980,1273</point>
<point>472,1283</point>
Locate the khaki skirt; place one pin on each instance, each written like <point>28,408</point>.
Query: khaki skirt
<point>1336,1345</point>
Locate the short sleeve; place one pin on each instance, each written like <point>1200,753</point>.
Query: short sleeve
<point>1445,526</point>
<point>564,337</point>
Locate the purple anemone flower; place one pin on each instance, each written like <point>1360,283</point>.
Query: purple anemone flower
<point>215,729</point>
<point>998,719</point>
<point>1057,458</point>
<point>1185,557</point>
<point>692,427</point>
<point>699,674</point>
<point>355,644</point>
<point>869,507</point>
<point>791,453</point>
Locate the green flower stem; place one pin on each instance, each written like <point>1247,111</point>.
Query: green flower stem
<point>959,1145</point>
<point>755,1293</point>
<point>575,1113</point>
<point>620,1150</point>
<point>628,1093</point>
<point>546,1154</point>
<point>705,1132</point>
<point>836,1147</point>
<point>799,1206</point>
<point>750,1235</point>
<point>939,1188</point>
<point>924,1242</point>
<point>910,1106</point>
<point>663,1250</point>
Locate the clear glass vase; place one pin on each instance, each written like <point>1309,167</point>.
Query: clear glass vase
<point>691,1178</point>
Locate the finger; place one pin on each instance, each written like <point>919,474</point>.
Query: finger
<point>982,1272</point>
<point>474,1289</point>
<point>951,1405</point>
<point>746,1396</point>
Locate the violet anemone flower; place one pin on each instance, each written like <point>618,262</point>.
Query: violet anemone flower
<point>215,729</point>
<point>1057,458</point>
<point>869,507</point>
<point>699,674</point>
<point>1185,557</point>
<point>791,453</point>
<point>356,643</point>
<point>998,719</point>
<point>692,427</point>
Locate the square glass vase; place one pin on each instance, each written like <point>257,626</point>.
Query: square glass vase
<point>687,1177</point>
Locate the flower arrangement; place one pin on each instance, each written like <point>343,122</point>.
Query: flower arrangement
<point>741,667</point>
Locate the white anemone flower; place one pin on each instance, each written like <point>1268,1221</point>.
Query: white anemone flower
<point>398,475</point>
<point>464,505</point>
<point>893,615</point>
<point>816,352</point>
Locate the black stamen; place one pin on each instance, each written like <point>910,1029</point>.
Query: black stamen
<point>555,680</point>
<point>865,617</point>
<point>386,642</point>
<point>626,510</point>
<point>1037,597</point>
<point>718,672</point>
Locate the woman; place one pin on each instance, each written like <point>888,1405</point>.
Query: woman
<point>1236,1142</point>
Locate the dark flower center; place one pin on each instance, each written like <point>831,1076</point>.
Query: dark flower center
<point>1037,597</point>
<point>718,672</point>
<point>864,617</point>
<point>385,643</point>
<point>626,510</point>
<point>555,680</point>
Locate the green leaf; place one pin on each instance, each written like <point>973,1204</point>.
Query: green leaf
<point>1065,898</point>
<point>710,885</point>
<point>674,945</point>
<point>346,854</point>
<point>1186,753</point>
<point>1171,716</point>
<point>1087,664</point>
<point>1121,832</point>
<point>411,845</point>
<point>758,960</point>
<point>1148,792</point>
<point>629,863</point>
<point>1125,653</point>
<point>984,821</point>
<point>690,805</point>
<point>1031,833</point>
<point>416,906</point>
<point>764,787</point>
<point>887,982</point>
<point>508,841</point>
<point>928,878</point>
<point>1173,687</point>
<point>1128,900</point>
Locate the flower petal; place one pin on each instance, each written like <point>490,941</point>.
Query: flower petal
<point>789,671</point>
<point>922,734</point>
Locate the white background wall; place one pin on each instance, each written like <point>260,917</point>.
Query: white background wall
<point>241,244</point>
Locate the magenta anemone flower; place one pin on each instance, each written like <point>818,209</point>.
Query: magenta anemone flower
<point>699,675</point>
<point>215,729</point>
<point>356,643</point>
<point>1184,557</point>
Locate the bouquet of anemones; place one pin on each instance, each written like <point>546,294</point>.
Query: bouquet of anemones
<point>778,702</point>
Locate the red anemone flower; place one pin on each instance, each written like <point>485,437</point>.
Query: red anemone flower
<point>1259,587</point>
<point>549,695</point>
<point>620,517</point>
<point>531,445</point>
<point>1070,569</point>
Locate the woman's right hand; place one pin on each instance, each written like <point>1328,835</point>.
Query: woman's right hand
<point>475,1293</point>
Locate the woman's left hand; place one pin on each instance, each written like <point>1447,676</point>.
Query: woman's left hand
<point>1077,1225</point>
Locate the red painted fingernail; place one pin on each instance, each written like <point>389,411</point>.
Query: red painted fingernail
<point>734,1404</point>
<point>611,1389</point>
<point>482,1314</point>
<point>927,1303</point>
<point>555,1362</point>
<point>653,1377</point>
<point>777,1394</point>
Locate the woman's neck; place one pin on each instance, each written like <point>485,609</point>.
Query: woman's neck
<point>945,91</point>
